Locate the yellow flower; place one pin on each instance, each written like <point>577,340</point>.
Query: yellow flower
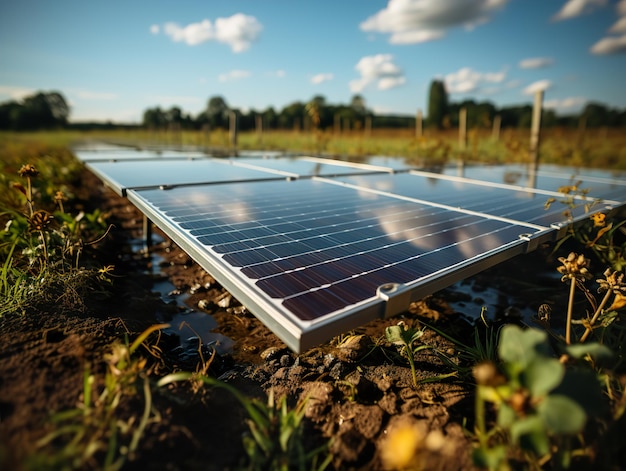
<point>618,303</point>
<point>574,267</point>
<point>401,446</point>
<point>599,219</point>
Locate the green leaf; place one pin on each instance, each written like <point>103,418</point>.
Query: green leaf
<point>394,334</point>
<point>542,376</point>
<point>530,433</point>
<point>595,350</point>
<point>506,415</point>
<point>562,415</point>
<point>490,458</point>
<point>521,346</point>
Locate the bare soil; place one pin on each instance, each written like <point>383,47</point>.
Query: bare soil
<point>358,387</point>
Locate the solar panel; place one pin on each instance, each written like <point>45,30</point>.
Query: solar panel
<point>315,247</point>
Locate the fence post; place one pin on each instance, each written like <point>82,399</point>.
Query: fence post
<point>463,129</point>
<point>535,129</point>
<point>497,122</point>
<point>368,126</point>
<point>233,130</point>
<point>259,124</point>
<point>419,125</point>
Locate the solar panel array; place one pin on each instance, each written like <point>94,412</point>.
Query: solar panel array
<point>314,247</point>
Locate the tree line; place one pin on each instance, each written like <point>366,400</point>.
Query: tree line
<point>318,114</point>
<point>49,110</point>
<point>42,110</point>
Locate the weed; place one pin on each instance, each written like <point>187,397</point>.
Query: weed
<point>276,439</point>
<point>406,337</point>
<point>539,403</point>
<point>98,434</point>
<point>43,249</point>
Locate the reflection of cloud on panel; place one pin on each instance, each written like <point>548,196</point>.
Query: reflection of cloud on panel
<point>431,232</point>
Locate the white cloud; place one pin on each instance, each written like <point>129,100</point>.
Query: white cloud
<point>379,70</point>
<point>418,21</point>
<point>574,8</point>
<point>238,31</point>
<point>234,75</point>
<point>565,104</point>
<point>619,26</point>
<point>280,73</point>
<point>540,85</point>
<point>614,44</point>
<point>387,83</point>
<point>16,93</point>
<point>535,62</point>
<point>319,78</point>
<point>610,45</point>
<point>467,80</point>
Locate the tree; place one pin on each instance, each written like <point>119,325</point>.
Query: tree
<point>38,111</point>
<point>58,107</point>
<point>217,112</point>
<point>314,109</point>
<point>437,103</point>
<point>358,105</point>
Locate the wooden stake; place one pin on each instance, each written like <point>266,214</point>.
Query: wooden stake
<point>463,129</point>
<point>419,125</point>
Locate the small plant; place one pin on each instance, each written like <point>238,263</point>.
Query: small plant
<point>539,404</point>
<point>484,348</point>
<point>574,269</point>
<point>276,439</point>
<point>599,232</point>
<point>98,434</point>
<point>43,248</point>
<point>406,337</point>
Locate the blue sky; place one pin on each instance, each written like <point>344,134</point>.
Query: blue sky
<point>114,59</point>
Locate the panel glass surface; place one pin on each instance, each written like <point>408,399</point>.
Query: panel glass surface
<point>609,185</point>
<point>308,167</point>
<point>318,247</point>
<point>121,153</point>
<point>134,174</point>
<point>518,205</point>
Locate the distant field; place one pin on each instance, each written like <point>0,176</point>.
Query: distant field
<point>603,148</point>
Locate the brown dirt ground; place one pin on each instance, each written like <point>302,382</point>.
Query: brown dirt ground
<point>357,390</point>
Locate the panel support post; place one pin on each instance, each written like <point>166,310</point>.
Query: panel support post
<point>147,234</point>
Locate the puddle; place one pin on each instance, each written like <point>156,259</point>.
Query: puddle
<point>193,328</point>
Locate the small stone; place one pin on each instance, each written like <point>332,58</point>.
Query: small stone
<point>224,301</point>
<point>338,370</point>
<point>285,360</point>
<point>329,359</point>
<point>270,353</point>
<point>203,304</point>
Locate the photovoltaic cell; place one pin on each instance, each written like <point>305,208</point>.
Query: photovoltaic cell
<point>315,247</point>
